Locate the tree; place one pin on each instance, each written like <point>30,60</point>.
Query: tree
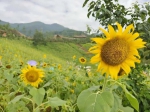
<point>38,38</point>
<point>110,12</point>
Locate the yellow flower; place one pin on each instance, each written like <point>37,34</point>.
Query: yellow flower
<point>67,79</point>
<point>32,75</point>
<point>59,66</point>
<point>89,74</point>
<point>74,57</point>
<point>70,67</point>
<point>72,91</point>
<point>82,60</point>
<point>44,56</point>
<point>53,65</point>
<point>74,84</point>
<point>44,64</point>
<point>118,51</point>
<point>0,57</point>
<point>82,82</point>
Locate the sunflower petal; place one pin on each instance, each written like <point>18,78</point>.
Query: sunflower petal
<point>98,40</point>
<point>114,70</point>
<point>135,59</point>
<point>138,43</point>
<point>111,31</point>
<point>130,63</point>
<point>134,52</point>
<point>133,37</point>
<point>93,48</point>
<point>105,32</point>
<point>128,28</point>
<point>119,28</point>
<point>126,68</point>
<point>95,58</point>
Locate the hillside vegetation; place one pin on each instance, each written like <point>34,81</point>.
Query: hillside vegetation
<point>24,50</point>
<point>29,29</point>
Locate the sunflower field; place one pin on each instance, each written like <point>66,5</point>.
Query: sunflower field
<point>112,76</point>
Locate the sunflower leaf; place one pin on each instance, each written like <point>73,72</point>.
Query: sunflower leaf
<point>16,99</point>
<point>88,101</point>
<point>55,102</point>
<point>37,95</point>
<point>133,101</point>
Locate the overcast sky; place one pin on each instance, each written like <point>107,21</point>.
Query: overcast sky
<point>68,13</point>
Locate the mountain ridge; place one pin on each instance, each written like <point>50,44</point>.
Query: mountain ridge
<point>30,28</point>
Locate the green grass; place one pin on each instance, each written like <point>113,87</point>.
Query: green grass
<point>23,50</point>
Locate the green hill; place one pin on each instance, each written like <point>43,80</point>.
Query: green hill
<point>23,50</point>
<point>29,28</point>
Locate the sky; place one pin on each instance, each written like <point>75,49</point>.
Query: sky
<point>68,13</point>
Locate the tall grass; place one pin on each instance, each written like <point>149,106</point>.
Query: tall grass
<point>24,50</point>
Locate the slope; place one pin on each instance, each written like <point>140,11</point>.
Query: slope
<point>23,50</point>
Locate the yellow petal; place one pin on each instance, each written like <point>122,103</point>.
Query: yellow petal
<point>103,68</point>
<point>135,59</point>
<point>138,43</point>
<point>130,62</point>
<point>128,28</point>
<point>98,40</point>
<point>114,70</point>
<point>111,31</point>
<point>105,32</point>
<point>95,58</point>
<point>133,37</point>
<point>126,68</point>
<point>134,52</point>
<point>93,48</point>
<point>95,51</point>
<point>119,28</point>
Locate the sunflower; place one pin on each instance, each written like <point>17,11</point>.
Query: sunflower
<point>44,56</point>
<point>82,60</point>
<point>74,57</point>
<point>44,64</point>
<point>32,75</point>
<point>118,51</point>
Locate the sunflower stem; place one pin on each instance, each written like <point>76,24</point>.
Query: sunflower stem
<point>1,109</point>
<point>33,104</point>
<point>105,83</point>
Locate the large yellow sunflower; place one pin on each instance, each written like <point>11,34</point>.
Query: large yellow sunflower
<point>32,75</point>
<point>118,51</point>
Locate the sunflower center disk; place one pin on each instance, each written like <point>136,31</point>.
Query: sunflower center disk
<point>114,51</point>
<point>32,76</point>
<point>82,60</point>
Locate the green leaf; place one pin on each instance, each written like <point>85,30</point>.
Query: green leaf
<point>16,99</point>
<point>47,84</point>
<point>133,101</point>
<point>55,102</point>
<point>117,103</point>
<point>94,102</point>
<point>126,109</point>
<point>38,95</point>
<point>89,13</point>
<point>85,2</point>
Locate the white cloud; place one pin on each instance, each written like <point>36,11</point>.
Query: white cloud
<point>68,13</point>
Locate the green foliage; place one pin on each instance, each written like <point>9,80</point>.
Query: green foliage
<point>110,12</point>
<point>55,102</point>
<point>133,101</point>
<point>38,38</point>
<point>139,83</point>
<point>96,99</point>
<point>37,95</point>
<point>95,102</point>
